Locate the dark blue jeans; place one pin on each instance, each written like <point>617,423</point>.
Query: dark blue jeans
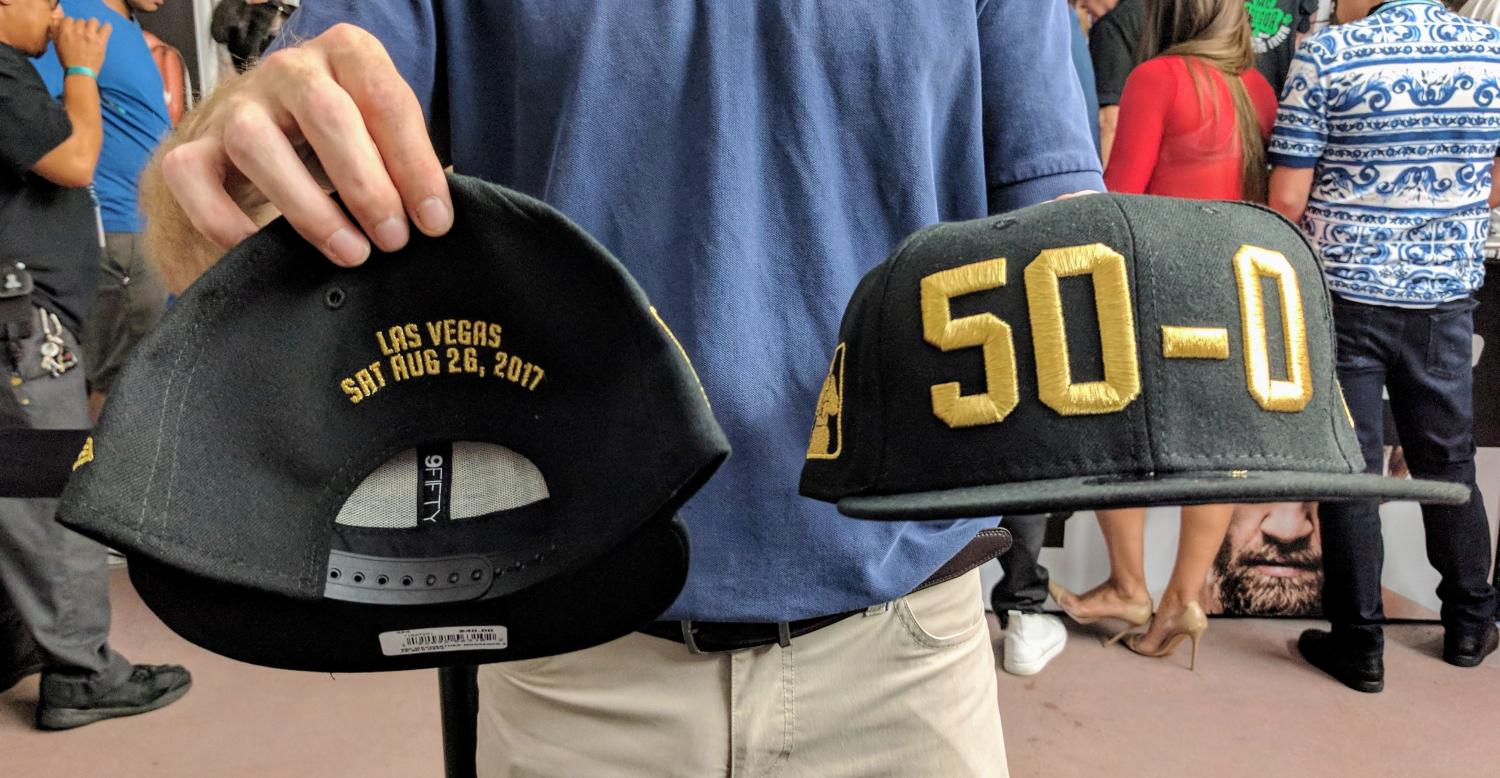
<point>1422,359</point>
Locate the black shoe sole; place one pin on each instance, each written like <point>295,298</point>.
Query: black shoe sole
<point>53,719</point>
<point>1368,687</point>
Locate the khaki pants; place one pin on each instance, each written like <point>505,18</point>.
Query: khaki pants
<point>905,689</point>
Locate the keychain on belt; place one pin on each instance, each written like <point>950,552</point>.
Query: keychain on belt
<point>56,358</point>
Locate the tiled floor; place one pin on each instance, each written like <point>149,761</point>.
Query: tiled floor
<point>1249,710</point>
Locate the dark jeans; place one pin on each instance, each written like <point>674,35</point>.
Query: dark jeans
<point>1422,359</point>
<point>1024,587</point>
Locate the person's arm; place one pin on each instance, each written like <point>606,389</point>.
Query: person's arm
<point>1299,137</point>
<point>1097,8</point>
<point>1289,189</point>
<point>80,43</point>
<point>1149,94</point>
<point>349,102</point>
<point>1037,142</point>
<point>1113,55</point>
<point>1109,119</point>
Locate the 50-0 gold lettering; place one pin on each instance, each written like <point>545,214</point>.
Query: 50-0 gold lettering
<point>1117,336</point>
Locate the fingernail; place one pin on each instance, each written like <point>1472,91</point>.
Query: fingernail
<point>348,247</point>
<point>391,234</point>
<point>434,215</point>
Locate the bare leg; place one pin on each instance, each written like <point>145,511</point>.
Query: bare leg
<point>1125,536</point>
<point>1203,528</point>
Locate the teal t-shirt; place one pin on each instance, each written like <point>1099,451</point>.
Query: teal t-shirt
<point>134,106</point>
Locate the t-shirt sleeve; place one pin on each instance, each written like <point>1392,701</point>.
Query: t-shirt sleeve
<point>1148,96</point>
<point>407,29</point>
<point>1113,56</point>
<point>31,122</point>
<point>1037,143</point>
<point>1302,121</point>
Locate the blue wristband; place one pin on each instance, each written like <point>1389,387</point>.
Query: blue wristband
<point>79,70</point>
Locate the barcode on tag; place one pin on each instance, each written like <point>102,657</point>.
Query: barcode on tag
<point>403,642</point>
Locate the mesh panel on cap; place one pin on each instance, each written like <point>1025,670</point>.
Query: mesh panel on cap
<point>387,498</point>
<point>486,478</point>
<point>489,478</point>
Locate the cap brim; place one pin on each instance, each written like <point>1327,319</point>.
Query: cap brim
<point>606,599</point>
<point>1070,494</point>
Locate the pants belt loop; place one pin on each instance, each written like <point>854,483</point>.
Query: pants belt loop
<point>783,634</point>
<point>687,637</point>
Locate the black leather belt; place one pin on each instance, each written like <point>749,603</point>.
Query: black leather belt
<point>707,637</point>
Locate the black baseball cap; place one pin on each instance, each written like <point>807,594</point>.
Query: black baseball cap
<point>468,451</point>
<point>1097,352</point>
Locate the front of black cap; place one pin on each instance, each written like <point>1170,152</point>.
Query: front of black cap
<point>468,451</point>
<point>1104,351</point>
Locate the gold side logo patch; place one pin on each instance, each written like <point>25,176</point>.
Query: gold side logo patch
<point>828,419</point>
<point>689,360</point>
<point>86,455</point>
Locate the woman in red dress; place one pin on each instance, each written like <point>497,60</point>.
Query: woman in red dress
<point>1194,119</point>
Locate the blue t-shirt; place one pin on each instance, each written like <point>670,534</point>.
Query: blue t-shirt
<point>1397,116</point>
<point>134,104</point>
<point>749,162</point>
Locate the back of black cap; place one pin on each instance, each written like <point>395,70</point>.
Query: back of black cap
<point>279,385</point>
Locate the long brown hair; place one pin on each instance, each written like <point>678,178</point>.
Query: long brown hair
<point>1216,34</point>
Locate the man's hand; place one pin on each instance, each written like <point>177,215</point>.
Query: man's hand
<point>331,114</point>
<point>81,42</point>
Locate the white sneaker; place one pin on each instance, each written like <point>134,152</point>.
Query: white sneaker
<point>1031,641</point>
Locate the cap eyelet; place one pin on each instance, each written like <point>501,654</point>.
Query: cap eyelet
<point>453,578</point>
<point>406,580</point>
<point>431,579</point>
<point>359,577</point>
<point>334,574</point>
<point>334,298</point>
<point>382,581</point>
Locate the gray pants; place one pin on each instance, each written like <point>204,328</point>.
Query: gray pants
<point>130,301</point>
<point>54,579</point>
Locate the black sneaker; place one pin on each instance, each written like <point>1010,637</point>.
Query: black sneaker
<point>1362,671</point>
<point>1469,650</point>
<point>149,687</point>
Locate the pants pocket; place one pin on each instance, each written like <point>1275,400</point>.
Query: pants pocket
<point>944,615</point>
<point>1450,342</point>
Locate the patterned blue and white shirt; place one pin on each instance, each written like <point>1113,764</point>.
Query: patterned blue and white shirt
<point>1399,115</point>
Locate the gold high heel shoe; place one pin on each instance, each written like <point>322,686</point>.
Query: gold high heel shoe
<point>1190,623</point>
<point>1135,614</point>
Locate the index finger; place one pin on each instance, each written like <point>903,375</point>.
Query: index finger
<point>394,119</point>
